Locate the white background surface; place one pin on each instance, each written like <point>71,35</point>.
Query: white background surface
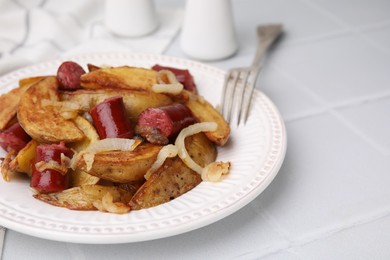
<point>330,79</point>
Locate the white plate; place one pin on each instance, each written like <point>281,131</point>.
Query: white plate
<point>256,152</point>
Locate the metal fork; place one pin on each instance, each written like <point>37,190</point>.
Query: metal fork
<point>240,82</point>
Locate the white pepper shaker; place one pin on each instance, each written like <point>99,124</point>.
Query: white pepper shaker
<point>208,31</point>
<point>131,18</point>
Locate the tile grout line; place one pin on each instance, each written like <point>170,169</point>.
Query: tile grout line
<point>359,133</point>
<point>374,26</point>
<point>285,235</point>
<point>328,106</point>
<point>326,13</point>
<point>317,38</point>
<point>340,105</point>
<point>319,236</point>
<point>332,110</point>
<point>354,30</point>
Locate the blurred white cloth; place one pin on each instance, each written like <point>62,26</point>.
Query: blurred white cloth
<point>32,31</point>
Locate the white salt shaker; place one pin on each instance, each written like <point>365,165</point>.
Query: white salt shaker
<point>208,31</point>
<point>131,18</point>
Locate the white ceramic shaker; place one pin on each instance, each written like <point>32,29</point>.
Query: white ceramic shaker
<point>208,31</point>
<point>130,18</point>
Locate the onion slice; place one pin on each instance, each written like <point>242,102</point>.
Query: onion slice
<point>188,131</point>
<point>167,83</point>
<point>105,145</point>
<point>214,171</point>
<point>169,150</point>
<point>174,88</point>
<point>111,144</point>
<point>107,204</point>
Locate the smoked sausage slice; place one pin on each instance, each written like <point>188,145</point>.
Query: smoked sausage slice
<point>182,75</point>
<point>159,125</point>
<point>14,138</point>
<point>50,180</point>
<point>111,120</point>
<point>68,75</point>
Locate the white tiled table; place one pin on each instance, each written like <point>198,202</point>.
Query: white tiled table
<point>330,78</point>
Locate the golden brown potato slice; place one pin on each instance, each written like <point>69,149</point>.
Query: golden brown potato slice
<point>30,81</point>
<point>135,101</point>
<point>205,112</point>
<point>174,178</point>
<point>9,101</point>
<point>119,77</point>
<point>25,157</point>
<point>131,186</point>
<point>92,67</point>
<point>79,177</point>
<point>123,166</point>
<point>89,131</point>
<point>84,197</point>
<point>43,122</point>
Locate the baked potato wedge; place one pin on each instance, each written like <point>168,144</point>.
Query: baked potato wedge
<point>92,67</point>
<point>135,101</point>
<point>25,157</point>
<point>9,101</point>
<point>89,132</point>
<point>119,77</point>
<point>27,82</point>
<point>122,166</point>
<point>205,112</point>
<point>174,178</point>
<point>79,177</point>
<point>43,122</point>
<point>85,197</point>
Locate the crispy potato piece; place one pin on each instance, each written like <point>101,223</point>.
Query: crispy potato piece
<point>92,67</point>
<point>43,123</point>
<point>119,77</point>
<point>9,101</point>
<point>27,82</point>
<point>131,186</point>
<point>123,166</point>
<point>135,101</point>
<point>79,177</point>
<point>89,131</point>
<point>205,112</point>
<point>25,157</point>
<point>174,178</point>
<point>82,198</point>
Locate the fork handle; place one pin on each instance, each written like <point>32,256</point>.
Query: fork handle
<point>266,36</point>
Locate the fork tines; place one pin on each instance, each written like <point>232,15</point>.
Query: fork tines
<point>240,83</point>
<point>237,92</point>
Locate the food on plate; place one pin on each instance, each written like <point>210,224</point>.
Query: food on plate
<point>112,139</point>
<point>87,197</point>
<point>205,112</point>
<point>14,138</point>
<point>49,172</point>
<point>135,101</point>
<point>40,118</point>
<point>174,178</point>
<point>68,75</point>
<point>9,101</point>
<point>122,166</point>
<point>110,119</point>
<point>182,75</point>
<point>160,124</point>
<point>25,157</point>
<point>119,77</point>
